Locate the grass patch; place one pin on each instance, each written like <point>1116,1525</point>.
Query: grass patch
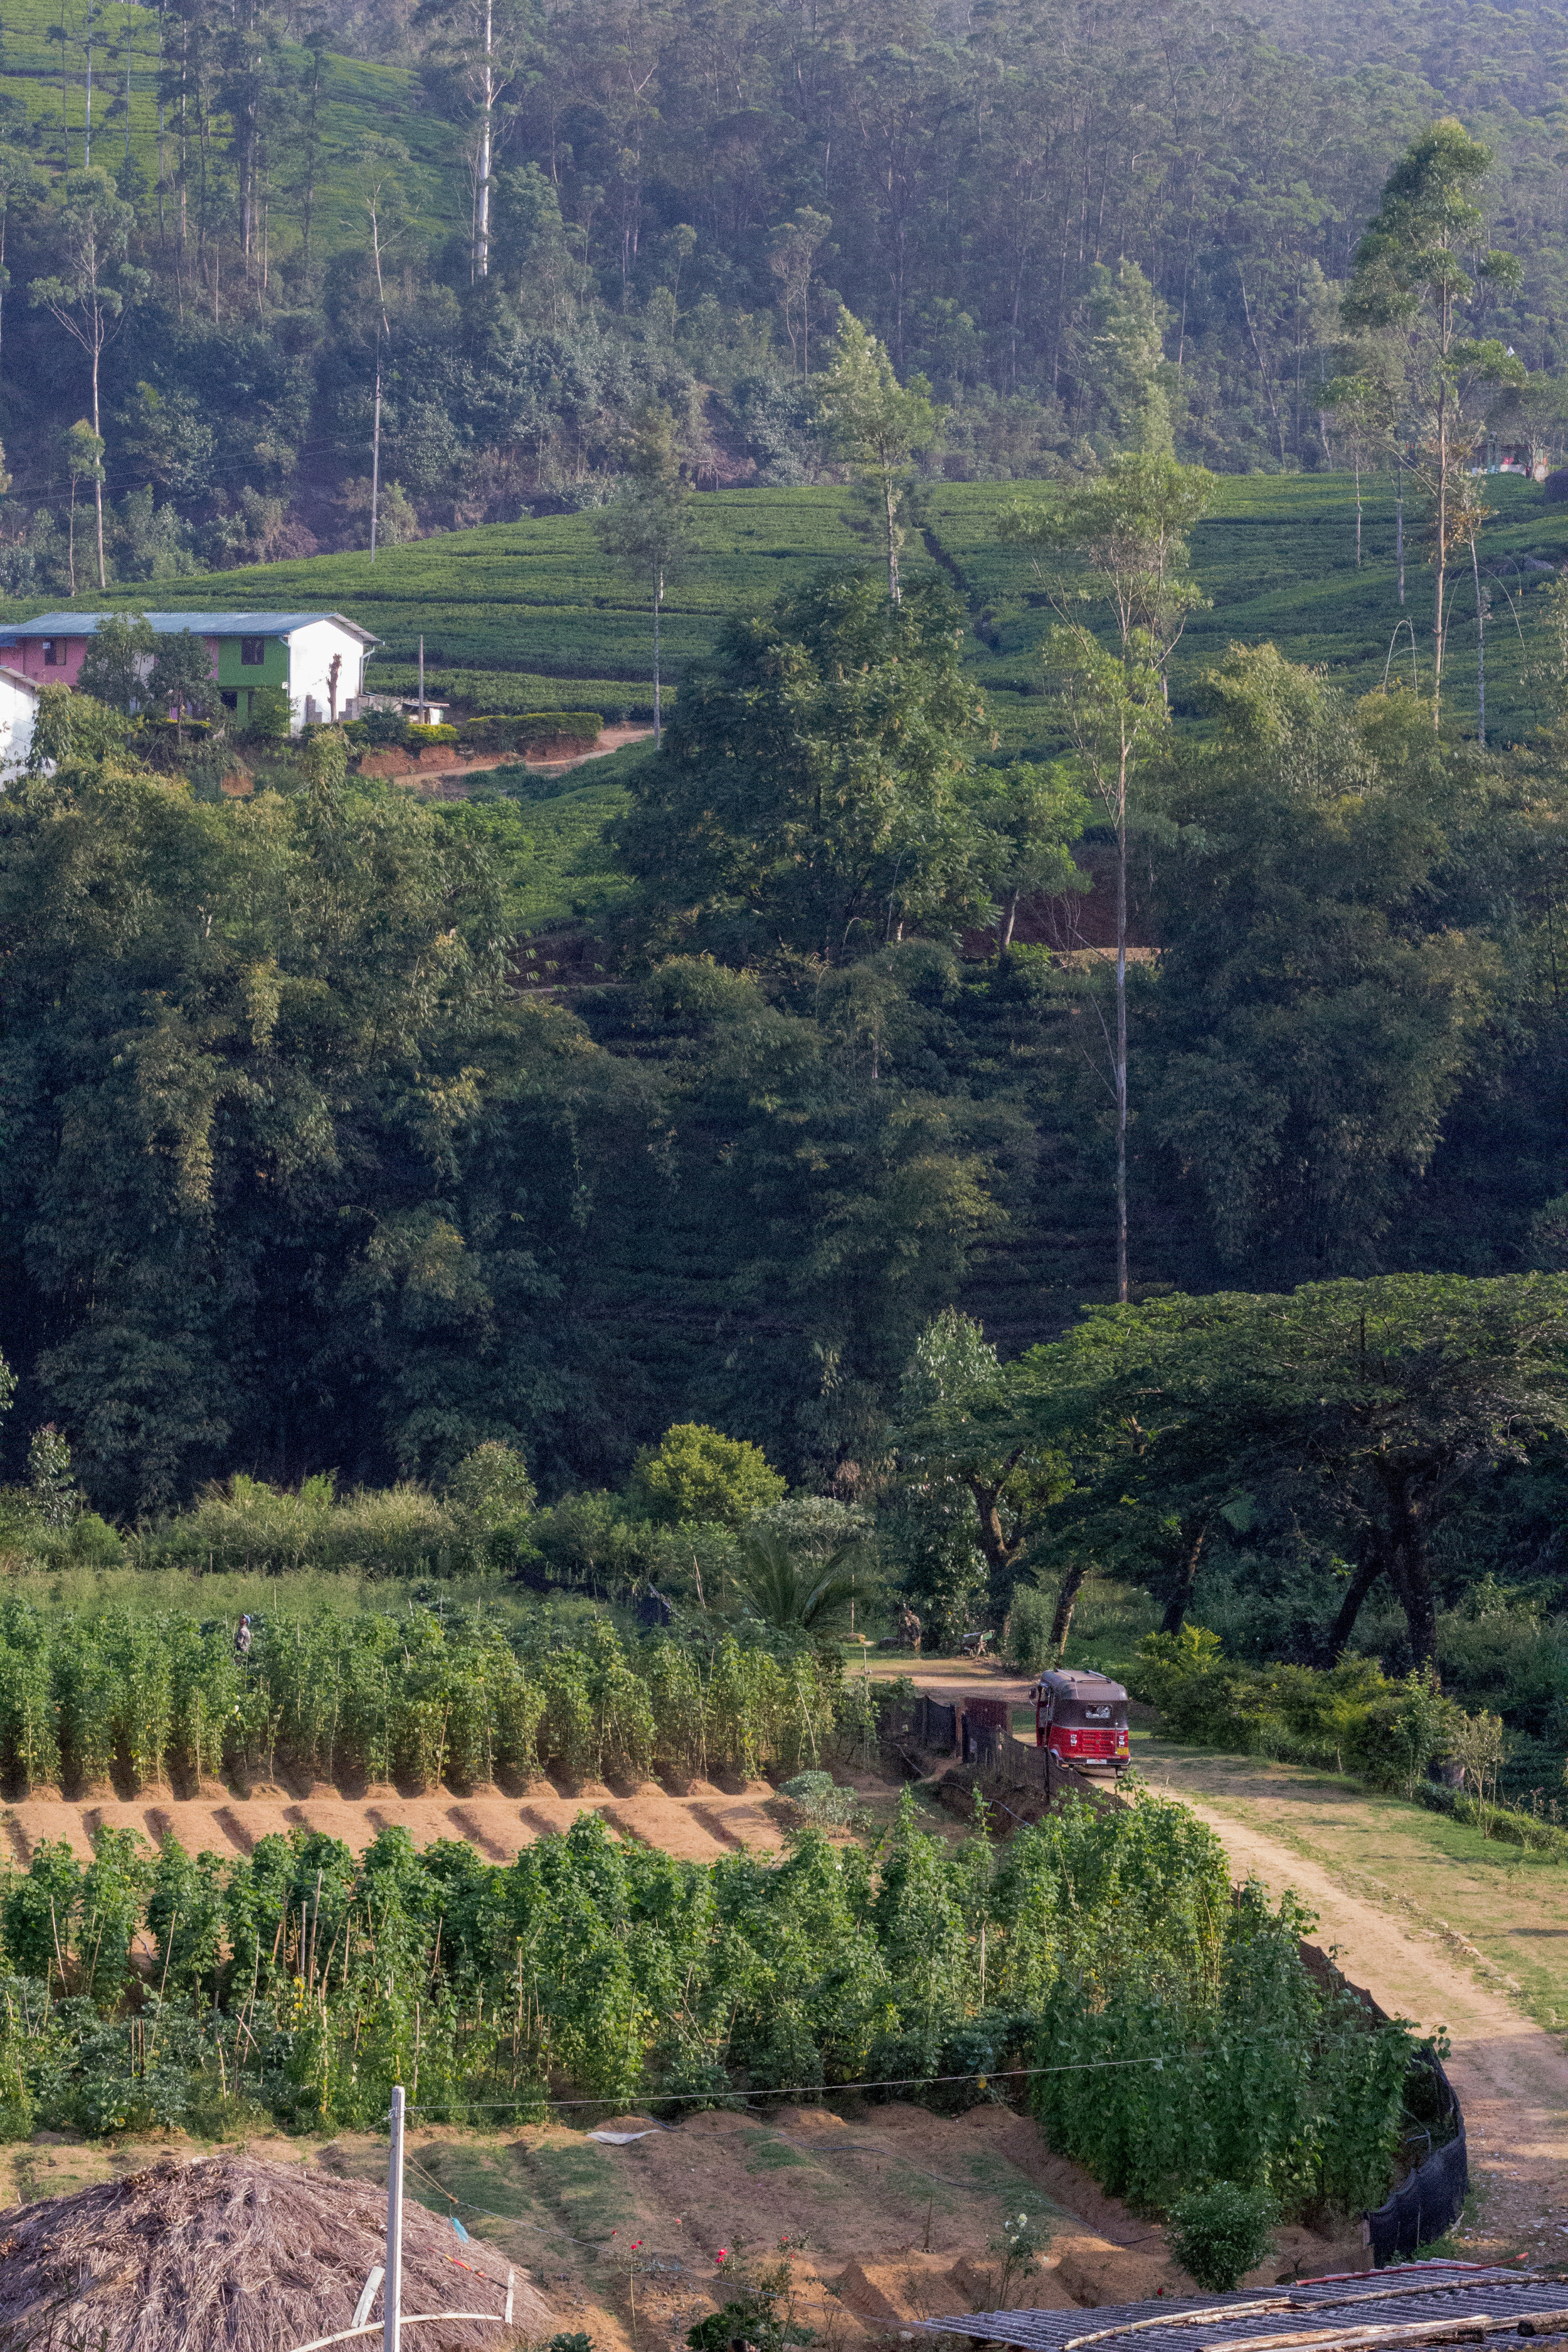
<point>583,2186</point>
<point>772,2155</point>
<point>1510,1904</point>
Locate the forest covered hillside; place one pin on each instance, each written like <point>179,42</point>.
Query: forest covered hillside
<point>615,205</point>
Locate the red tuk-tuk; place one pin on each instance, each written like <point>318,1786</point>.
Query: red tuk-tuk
<point>1081,1717</point>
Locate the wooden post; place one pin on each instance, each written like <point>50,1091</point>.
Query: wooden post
<point>422,681</point>
<point>392,2330</point>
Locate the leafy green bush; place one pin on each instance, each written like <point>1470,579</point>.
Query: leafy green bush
<point>1026,1636</point>
<point>378,729</point>
<point>819,1798</point>
<point>1349,1717</point>
<point>697,1473</point>
<point>391,1531</point>
<point>1220,2233</point>
<point>424,739</point>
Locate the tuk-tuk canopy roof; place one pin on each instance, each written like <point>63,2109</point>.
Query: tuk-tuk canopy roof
<point>1092,1689</point>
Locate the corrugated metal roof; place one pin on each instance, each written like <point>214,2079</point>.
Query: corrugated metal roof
<point>205,624</point>
<point>1414,2304</point>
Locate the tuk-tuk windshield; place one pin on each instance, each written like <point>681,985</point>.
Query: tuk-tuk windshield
<point>1090,1711</point>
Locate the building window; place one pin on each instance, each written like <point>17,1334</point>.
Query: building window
<point>252,652</point>
<point>53,655</point>
<point>230,701</point>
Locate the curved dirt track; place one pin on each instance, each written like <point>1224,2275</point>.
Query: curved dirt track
<point>1511,2075</point>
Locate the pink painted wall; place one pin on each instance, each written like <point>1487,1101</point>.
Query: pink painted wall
<point>28,656</point>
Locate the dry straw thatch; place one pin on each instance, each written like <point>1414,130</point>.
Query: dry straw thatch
<point>236,2254</point>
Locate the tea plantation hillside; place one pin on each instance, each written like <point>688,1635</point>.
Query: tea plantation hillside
<point>355,96</point>
<point>518,614</point>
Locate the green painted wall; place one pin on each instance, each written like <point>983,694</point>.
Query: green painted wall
<point>274,670</point>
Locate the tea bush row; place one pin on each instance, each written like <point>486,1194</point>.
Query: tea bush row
<point>1173,2026</point>
<point>149,1696</point>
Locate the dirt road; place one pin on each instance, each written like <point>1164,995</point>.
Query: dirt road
<point>1511,2076</point>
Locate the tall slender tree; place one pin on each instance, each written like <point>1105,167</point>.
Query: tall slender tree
<point>879,427</point>
<point>94,288</point>
<point>647,529</point>
<point>1413,273</point>
<point>1120,542</point>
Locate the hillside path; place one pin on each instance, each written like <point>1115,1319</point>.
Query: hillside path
<point>1511,2074</point>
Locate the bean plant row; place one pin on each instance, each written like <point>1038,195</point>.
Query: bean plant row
<point>1099,1964</point>
<point>142,1699</point>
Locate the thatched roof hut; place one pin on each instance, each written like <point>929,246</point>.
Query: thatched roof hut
<point>235,2255</point>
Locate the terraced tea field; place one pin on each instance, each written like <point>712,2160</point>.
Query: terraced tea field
<point>42,60</point>
<point>529,614</point>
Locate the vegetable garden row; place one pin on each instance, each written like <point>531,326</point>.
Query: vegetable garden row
<point>142,1698</point>
<point>1173,2031</point>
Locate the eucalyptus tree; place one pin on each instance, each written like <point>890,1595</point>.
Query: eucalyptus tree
<point>1119,544</point>
<point>879,427</point>
<point>1413,274</point>
<point>93,287</point>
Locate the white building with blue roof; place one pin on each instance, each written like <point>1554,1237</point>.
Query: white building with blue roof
<point>317,658</point>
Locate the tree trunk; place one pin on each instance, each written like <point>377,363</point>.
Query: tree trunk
<point>97,478</point>
<point>1001,1549</point>
<point>375,465</point>
<point>1004,927</point>
<point>1122,1035</point>
<point>1343,1626</point>
<point>894,596</point>
<point>1405,1556</point>
<point>1181,1598</point>
<point>657,711</point>
<point>1440,564</point>
<point>1072,1585</point>
<point>487,127</point>
<point>1480,650</point>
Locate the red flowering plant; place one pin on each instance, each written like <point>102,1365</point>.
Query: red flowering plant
<point>760,2311</point>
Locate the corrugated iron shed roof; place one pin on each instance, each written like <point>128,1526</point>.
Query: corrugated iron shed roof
<point>1416,2303</point>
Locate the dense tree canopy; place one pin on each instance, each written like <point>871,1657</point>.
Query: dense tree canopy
<point>809,796</point>
<point>1083,230</point>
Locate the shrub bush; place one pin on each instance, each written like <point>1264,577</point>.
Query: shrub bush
<point>1348,1717</point>
<point>378,731</point>
<point>1220,2233</point>
<point>697,1473</point>
<point>424,739</point>
<point>1026,1636</point>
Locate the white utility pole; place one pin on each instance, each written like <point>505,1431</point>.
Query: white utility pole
<point>392,2327</point>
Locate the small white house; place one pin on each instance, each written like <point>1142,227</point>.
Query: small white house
<point>317,659</point>
<point>18,708</point>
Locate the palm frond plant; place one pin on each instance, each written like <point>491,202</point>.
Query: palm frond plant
<point>792,1594</point>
